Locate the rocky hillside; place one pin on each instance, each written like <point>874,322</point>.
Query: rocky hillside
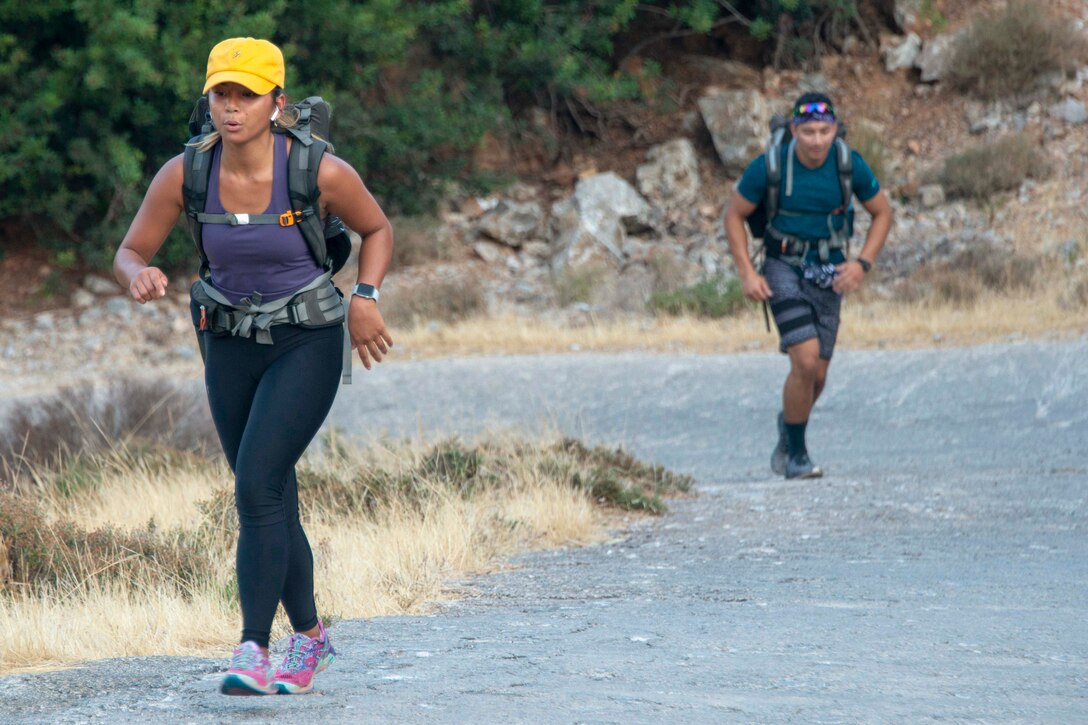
<point>617,220</point>
<point>599,222</point>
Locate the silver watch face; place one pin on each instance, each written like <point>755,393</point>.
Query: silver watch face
<point>366,291</point>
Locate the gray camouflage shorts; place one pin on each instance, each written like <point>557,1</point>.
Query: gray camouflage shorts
<point>802,310</point>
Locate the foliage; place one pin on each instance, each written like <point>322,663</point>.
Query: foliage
<point>712,298</point>
<point>979,269</point>
<point>1006,52</point>
<point>617,478</point>
<point>83,421</point>
<point>39,551</point>
<point>578,285</point>
<point>445,300</point>
<point>97,93</point>
<point>419,242</point>
<point>869,141</point>
<point>987,169</point>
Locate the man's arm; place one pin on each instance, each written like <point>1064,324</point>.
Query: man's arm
<point>754,285</point>
<point>851,273</point>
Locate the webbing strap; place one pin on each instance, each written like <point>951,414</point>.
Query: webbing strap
<point>345,374</point>
<point>236,220</point>
<point>793,250</point>
<point>251,315</point>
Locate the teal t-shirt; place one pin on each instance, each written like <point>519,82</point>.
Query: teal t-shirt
<point>816,194</point>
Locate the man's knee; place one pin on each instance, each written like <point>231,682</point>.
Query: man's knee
<point>805,362</point>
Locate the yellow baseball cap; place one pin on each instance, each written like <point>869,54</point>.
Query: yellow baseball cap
<point>253,63</point>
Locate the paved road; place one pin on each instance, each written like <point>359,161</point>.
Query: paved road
<point>939,574</point>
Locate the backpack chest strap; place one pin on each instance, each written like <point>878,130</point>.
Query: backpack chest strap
<point>287,219</point>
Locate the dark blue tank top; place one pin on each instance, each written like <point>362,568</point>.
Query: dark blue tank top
<point>265,258</point>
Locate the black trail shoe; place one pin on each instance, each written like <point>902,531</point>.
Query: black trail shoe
<point>801,467</point>
<point>781,451</point>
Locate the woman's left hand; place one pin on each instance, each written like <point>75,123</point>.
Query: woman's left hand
<point>367,330</point>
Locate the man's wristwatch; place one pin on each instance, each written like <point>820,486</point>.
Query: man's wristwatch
<point>866,265</point>
<point>366,291</point>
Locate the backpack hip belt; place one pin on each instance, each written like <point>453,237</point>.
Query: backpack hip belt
<point>794,250</point>
<point>318,304</point>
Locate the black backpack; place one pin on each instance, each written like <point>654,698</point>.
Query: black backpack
<point>769,207</point>
<point>329,242</point>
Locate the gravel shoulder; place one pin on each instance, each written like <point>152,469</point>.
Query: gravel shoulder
<point>937,574</point>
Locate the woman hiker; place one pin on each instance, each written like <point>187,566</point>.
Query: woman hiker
<point>269,386</point>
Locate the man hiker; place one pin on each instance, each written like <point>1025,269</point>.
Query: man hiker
<point>803,188</point>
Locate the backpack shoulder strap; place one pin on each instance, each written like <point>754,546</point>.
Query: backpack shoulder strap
<point>845,159</point>
<point>773,158</point>
<point>303,162</point>
<point>197,170</point>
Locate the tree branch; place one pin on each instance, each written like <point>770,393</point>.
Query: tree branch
<point>735,13</point>
<point>676,32</point>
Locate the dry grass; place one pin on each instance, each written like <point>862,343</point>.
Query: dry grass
<point>867,324</point>
<point>1040,295</point>
<point>138,560</point>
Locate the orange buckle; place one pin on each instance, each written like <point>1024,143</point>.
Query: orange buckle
<point>203,318</point>
<point>290,218</point>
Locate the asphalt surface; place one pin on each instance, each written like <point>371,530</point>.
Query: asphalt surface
<point>939,573</point>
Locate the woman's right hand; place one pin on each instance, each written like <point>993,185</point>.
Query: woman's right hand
<point>148,284</point>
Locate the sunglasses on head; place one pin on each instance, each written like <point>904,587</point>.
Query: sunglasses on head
<point>819,107</point>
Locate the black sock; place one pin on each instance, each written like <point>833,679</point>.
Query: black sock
<point>795,435</point>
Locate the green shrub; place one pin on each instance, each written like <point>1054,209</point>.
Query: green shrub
<point>614,477</point>
<point>713,298</point>
<point>573,286</point>
<point>414,86</point>
<point>40,551</point>
<point>963,280</point>
<point>610,476</point>
<point>1005,52</point>
<point>982,171</point>
<point>444,300</point>
<point>80,421</point>
<point>1076,294</point>
<point>418,241</point>
<point>667,270</point>
<point>869,142</point>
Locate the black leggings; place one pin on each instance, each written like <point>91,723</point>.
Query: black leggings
<point>268,402</point>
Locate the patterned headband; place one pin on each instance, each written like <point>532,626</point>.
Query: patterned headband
<point>816,111</point>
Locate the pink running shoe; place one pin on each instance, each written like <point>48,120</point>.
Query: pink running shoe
<point>305,658</point>
<point>250,672</point>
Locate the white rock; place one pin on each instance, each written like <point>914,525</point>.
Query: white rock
<point>931,195</point>
<point>903,54</point>
<point>513,222</point>
<point>487,251</point>
<point>935,60</point>
<point>1071,111</point>
<point>81,299</point>
<point>671,173</point>
<point>100,285</point>
<point>737,121</point>
<point>609,193</point>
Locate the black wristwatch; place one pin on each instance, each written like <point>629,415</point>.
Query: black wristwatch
<point>366,291</point>
<point>866,265</point>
